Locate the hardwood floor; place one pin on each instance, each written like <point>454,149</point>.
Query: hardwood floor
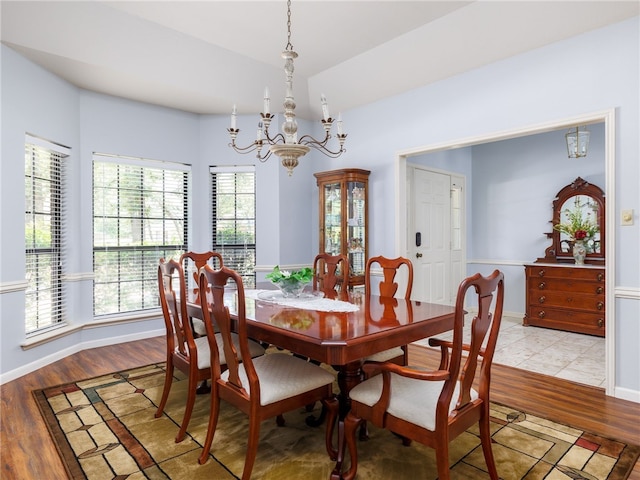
<point>27,451</point>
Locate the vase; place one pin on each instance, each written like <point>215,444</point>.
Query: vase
<point>579,251</point>
<point>291,289</point>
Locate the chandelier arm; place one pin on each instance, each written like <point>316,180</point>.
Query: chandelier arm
<point>256,145</point>
<point>278,138</point>
<point>265,158</point>
<point>248,149</point>
<point>326,151</point>
<point>310,140</point>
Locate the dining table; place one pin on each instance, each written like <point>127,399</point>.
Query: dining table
<point>340,332</point>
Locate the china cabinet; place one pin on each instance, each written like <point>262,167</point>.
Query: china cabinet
<point>343,216</point>
<point>561,294</point>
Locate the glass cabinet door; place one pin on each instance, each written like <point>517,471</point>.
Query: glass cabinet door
<point>343,217</point>
<point>356,227</point>
<point>332,216</point>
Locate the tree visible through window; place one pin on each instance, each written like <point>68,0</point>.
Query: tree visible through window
<point>43,173</point>
<point>234,219</point>
<point>140,214</point>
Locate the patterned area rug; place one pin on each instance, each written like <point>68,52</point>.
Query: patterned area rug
<point>104,428</point>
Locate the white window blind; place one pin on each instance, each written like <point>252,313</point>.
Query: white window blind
<point>234,219</point>
<point>140,214</point>
<point>45,178</point>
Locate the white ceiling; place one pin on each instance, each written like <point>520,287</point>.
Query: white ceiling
<point>205,56</point>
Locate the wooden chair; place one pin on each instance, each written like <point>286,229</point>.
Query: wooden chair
<point>331,274</point>
<point>185,351</point>
<point>263,387</point>
<point>388,288</point>
<point>192,262</point>
<point>434,407</point>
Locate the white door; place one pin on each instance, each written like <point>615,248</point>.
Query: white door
<point>435,234</point>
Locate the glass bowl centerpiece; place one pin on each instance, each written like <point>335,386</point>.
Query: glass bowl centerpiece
<point>290,283</point>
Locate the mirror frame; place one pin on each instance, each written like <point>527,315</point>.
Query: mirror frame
<point>554,253</point>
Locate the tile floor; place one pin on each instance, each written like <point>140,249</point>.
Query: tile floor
<point>571,356</point>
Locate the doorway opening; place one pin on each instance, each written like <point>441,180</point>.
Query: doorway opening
<point>607,117</point>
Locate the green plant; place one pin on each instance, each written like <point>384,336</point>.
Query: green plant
<point>304,275</point>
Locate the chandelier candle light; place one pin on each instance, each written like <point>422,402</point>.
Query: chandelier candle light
<point>286,145</point>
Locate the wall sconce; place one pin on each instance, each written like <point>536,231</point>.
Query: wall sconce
<point>577,142</point>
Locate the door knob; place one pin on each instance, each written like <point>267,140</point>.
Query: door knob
<point>418,255</point>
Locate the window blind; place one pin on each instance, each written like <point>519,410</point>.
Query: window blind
<point>45,181</point>
<point>140,214</point>
<point>234,219</point>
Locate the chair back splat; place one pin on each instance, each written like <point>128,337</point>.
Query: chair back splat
<point>435,407</point>
<point>262,387</point>
<point>331,274</point>
<point>388,289</point>
<point>192,262</point>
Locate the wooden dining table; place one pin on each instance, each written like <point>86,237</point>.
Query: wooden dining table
<point>341,339</point>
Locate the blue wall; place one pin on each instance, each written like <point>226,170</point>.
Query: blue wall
<point>589,73</point>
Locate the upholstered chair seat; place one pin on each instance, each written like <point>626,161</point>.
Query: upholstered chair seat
<point>283,376</point>
<point>413,400</point>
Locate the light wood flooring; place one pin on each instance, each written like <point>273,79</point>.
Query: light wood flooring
<point>27,452</point>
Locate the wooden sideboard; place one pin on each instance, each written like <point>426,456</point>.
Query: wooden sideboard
<point>566,297</point>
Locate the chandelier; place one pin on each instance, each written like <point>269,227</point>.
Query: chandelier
<point>287,145</point>
<point>577,142</point>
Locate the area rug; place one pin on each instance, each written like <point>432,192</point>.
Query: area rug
<point>104,428</point>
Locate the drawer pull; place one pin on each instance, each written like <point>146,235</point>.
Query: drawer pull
<point>600,305</point>
<point>542,285</point>
<point>600,277</point>
<point>600,322</point>
<point>599,290</point>
<point>542,299</point>
<point>541,273</point>
<point>541,314</point>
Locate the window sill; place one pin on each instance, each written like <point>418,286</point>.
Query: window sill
<point>62,331</point>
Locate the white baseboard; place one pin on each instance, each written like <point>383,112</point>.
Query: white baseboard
<point>103,342</point>
<point>626,394</point>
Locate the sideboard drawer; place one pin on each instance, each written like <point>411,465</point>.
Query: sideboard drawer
<point>558,284</point>
<point>567,273</point>
<point>564,319</point>
<point>571,300</point>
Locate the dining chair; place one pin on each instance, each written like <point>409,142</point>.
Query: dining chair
<point>434,407</point>
<point>185,351</point>
<point>262,387</point>
<point>192,262</point>
<point>388,288</point>
<point>331,274</point>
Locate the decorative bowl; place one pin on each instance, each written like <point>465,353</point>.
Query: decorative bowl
<point>290,283</point>
<point>291,288</point>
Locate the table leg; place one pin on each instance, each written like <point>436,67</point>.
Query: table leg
<point>349,376</point>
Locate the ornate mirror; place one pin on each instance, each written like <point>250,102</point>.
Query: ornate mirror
<point>578,212</point>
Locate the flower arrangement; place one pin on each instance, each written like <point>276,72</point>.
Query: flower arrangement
<point>576,226</point>
<point>290,283</point>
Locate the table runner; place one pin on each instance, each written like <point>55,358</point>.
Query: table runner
<point>306,303</point>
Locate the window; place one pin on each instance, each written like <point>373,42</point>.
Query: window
<point>234,219</point>
<point>44,185</point>
<point>140,214</point>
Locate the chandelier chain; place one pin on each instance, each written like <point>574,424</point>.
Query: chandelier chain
<point>289,46</point>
